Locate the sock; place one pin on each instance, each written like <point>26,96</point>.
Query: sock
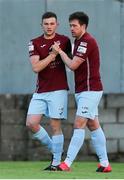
<point>57,148</point>
<point>75,145</point>
<point>99,144</point>
<point>44,138</point>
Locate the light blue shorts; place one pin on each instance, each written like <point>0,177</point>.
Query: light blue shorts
<point>87,103</point>
<point>51,104</point>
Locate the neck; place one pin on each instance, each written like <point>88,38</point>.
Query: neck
<point>46,36</point>
<point>81,35</point>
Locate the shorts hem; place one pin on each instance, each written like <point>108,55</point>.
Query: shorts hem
<point>86,116</point>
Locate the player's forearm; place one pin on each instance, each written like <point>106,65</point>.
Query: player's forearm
<point>42,64</point>
<point>66,59</point>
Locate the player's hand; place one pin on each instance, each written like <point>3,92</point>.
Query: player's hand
<point>56,48</point>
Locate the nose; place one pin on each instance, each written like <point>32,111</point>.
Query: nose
<point>48,26</point>
<point>71,28</point>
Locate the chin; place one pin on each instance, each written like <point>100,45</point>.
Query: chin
<point>50,33</point>
<point>73,35</point>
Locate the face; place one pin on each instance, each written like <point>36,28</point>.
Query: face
<point>49,26</point>
<point>77,30</point>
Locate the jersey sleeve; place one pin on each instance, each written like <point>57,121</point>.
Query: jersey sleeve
<point>85,48</point>
<point>82,50</point>
<point>32,49</point>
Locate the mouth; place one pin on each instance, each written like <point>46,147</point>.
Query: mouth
<point>72,33</point>
<point>49,30</point>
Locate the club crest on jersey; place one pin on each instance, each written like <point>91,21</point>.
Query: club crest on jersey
<point>31,46</point>
<point>83,44</point>
<point>81,49</point>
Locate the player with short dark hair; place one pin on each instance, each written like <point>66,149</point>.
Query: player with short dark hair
<point>50,97</point>
<point>49,14</point>
<point>88,92</point>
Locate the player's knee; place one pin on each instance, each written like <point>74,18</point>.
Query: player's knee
<point>56,129</point>
<point>29,123</point>
<point>56,126</point>
<point>80,123</point>
<point>93,124</point>
<point>32,126</point>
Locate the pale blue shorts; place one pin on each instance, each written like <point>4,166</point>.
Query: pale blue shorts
<point>87,103</point>
<point>51,104</point>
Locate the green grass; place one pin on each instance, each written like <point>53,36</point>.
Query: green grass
<point>34,170</point>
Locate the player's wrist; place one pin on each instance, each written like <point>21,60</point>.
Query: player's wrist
<point>52,55</point>
<point>60,51</point>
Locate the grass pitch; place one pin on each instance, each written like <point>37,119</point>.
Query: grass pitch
<point>80,170</point>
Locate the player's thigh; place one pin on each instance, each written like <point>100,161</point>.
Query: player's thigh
<point>87,104</point>
<point>37,108</point>
<point>57,104</point>
<point>38,105</point>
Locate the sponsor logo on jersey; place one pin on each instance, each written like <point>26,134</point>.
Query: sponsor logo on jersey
<point>81,49</point>
<point>43,45</point>
<point>83,44</point>
<point>31,46</point>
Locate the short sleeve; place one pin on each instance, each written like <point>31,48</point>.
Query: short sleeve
<point>82,50</point>
<point>32,49</point>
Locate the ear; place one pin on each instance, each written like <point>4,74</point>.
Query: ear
<point>57,23</point>
<point>83,27</point>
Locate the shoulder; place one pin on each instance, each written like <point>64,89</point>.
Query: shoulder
<point>61,36</point>
<point>90,39</point>
<point>34,42</point>
<point>37,39</point>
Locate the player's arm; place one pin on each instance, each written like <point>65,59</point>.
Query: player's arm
<point>74,63</point>
<point>38,65</point>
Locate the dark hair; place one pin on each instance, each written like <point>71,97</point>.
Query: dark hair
<point>81,17</point>
<point>49,15</point>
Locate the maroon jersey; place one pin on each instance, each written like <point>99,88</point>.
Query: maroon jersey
<point>53,77</point>
<point>87,75</point>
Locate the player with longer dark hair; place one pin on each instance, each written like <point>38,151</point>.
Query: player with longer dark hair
<point>88,92</point>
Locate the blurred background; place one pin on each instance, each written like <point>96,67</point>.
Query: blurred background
<point>19,22</point>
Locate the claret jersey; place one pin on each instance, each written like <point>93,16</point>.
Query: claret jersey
<point>53,77</point>
<point>87,75</point>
